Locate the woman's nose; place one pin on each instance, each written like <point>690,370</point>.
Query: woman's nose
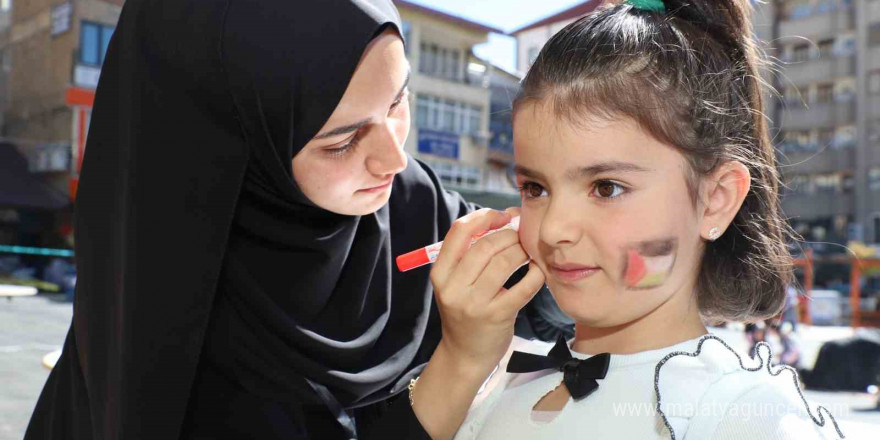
<point>386,151</point>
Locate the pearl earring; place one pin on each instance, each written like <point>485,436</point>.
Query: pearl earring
<point>714,233</point>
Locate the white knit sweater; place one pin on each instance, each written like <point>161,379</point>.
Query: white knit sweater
<point>705,391</point>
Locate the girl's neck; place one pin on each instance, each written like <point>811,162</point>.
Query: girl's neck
<point>667,325</point>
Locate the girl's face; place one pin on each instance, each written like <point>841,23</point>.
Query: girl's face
<point>348,167</point>
<point>607,215</point>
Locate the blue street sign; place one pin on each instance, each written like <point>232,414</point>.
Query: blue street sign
<point>438,143</point>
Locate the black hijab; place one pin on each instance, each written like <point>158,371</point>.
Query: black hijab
<point>307,293</point>
<point>188,214</point>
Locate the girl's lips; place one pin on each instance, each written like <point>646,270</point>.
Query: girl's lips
<point>571,273</point>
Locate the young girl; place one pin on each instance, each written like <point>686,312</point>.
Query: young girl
<point>650,202</point>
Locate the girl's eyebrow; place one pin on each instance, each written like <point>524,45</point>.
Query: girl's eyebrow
<point>588,171</point>
<point>605,167</point>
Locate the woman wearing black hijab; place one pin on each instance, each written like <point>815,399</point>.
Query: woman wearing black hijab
<point>234,243</point>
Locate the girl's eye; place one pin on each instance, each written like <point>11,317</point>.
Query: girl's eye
<point>606,189</point>
<point>531,190</point>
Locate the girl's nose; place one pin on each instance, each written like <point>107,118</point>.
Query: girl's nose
<point>560,227</point>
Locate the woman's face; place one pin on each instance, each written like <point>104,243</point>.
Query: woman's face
<point>348,167</point>
<point>607,215</point>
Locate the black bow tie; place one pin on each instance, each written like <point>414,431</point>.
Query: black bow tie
<point>579,374</point>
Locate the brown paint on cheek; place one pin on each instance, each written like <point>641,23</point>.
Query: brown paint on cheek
<point>647,264</point>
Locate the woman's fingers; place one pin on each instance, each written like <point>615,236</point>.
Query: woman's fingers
<point>498,271</point>
<point>459,238</point>
<point>486,250</point>
<point>521,293</point>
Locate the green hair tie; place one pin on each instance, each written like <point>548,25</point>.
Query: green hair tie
<point>648,5</point>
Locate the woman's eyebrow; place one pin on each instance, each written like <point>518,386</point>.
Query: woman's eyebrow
<point>344,129</point>
<point>350,128</point>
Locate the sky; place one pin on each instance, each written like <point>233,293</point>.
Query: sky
<point>506,15</point>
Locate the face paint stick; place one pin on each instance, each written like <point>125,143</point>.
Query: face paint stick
<point>649,263</point>
<point>428,254</point>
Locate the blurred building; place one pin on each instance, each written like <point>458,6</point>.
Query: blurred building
<point>503,88</point>
<point>451,99</point>
<point>532,37</point>
<point>52,52</point>
<point>55,50</point>
<point>5,57</point>
<point>826,119</point>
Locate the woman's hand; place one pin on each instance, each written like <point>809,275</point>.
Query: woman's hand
<point>477,313</point>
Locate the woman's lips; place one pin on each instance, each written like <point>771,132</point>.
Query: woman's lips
<point>381,187</point>
<point>570,273</point>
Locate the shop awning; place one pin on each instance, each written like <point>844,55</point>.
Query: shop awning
<point>21,189</point>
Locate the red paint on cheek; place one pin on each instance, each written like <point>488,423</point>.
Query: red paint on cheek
<point>635,268</point>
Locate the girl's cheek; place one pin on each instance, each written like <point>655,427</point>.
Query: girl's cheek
<point>528,232</point>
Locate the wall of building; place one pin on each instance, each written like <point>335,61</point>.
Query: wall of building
<point>530,42</point>
<point>448,81</point>
<point>40,120</point>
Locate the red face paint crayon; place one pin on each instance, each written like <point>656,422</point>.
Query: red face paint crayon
<point>428,254</point>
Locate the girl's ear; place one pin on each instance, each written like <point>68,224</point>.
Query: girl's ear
<point>725,190</point>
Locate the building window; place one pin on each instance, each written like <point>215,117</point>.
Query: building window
<point>874,179</point>
<point>533,55</point>
<point>440,62</point>
<point>825,48</point>
<point>795,95</point>
<point>423,107</point>
<point>798,141</point>
<point>844,137</point>
<point>455,64</point>
<point>799,9</point>
<point>406,30</point>
<point>827,182</point>
<point>447,119</point>
<point>874,81</point>
<point>845,45</point>
<point>800,53</point>
<point>447,115</point>
<point>826,137</point>
<point>93,42</point>
<point>874,34</point>
<point>5,5</point>
<point>455,174</point>
<point>824,93</point>
<point>5,61</point>
<point>475,116</point>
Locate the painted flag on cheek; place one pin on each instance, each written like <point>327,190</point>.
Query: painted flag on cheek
<point>649,264</point>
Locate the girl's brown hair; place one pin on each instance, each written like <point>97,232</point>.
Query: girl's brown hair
<point>690,77</point>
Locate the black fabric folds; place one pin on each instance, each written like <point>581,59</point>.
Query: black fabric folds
<point>188,214</point>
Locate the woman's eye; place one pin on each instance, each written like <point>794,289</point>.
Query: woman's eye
<point>607,189</point>
<point>531,190</point>
<point>396,104</point>
<point>341,151</point>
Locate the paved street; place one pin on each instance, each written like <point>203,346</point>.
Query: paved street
<point>33,326</point>
<point>30,327</point>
